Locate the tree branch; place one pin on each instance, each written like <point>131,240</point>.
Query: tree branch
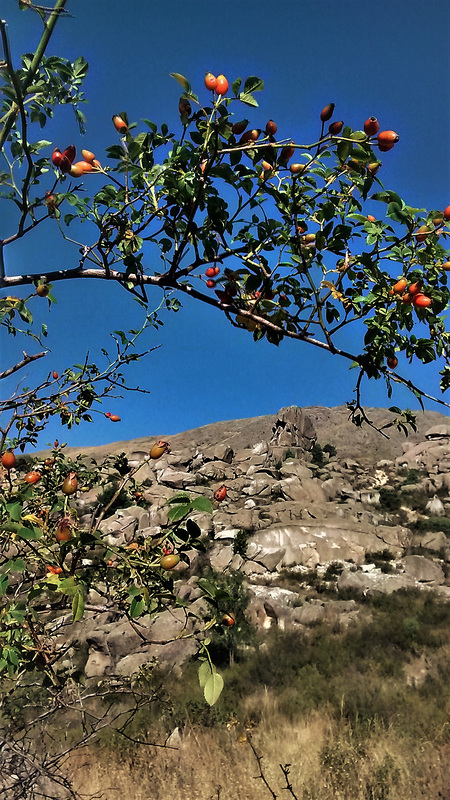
<point>26,360</point>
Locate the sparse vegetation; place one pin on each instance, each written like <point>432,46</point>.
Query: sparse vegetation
<point>334,704</point>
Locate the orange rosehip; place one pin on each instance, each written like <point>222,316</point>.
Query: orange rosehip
<point>371,126</point>
<point>8,459</point>
<point>32,477</point>
<point>158,449</point>
<point>210,81</point>
<point>221,85</point>
<point>119,124</point>
<point>400,286</point>
<point>88,156</point>
<point>422,301</point>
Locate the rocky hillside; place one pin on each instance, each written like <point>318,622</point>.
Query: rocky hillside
<point>312,528</point>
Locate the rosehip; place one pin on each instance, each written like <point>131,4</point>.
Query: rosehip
<point>228,619</point>
<point>63,532</point>
<point>8,459</point>
<point>249,136</point>
<point>239,127</point>
<point>271,127</point>
<point>400,286</point>
<point>422,233</point>
<point>287,153</point>
<point>415,288</point>
<point>210,81</point>
<point>336,127</point>
<point>371,126</point>
<point>297,169</point>
<point>158,449</point>
<point>387,139</point>
<point>392,362</point>
<point>373,167</point>
<point>56,157</point>
<point>32,477</point>
<point>169,561</point>
<point>69,153</point>
<point>70,484</point>
<point>88,156</point>
<point>119,124</point>
<point>184,107</point>
<point>327,112</point>
<point>422,301</point>
<point>221,85</point>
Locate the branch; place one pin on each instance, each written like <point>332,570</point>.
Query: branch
<point>26,360</point>
<point>34,66</point>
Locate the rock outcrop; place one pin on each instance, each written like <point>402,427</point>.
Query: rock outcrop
<point>346,525</point>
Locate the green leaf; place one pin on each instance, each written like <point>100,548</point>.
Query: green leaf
<point>30,534</point>
<point>14,510</point>
<point>182,81</point>
<point>248,99</point>
<point>204,671</point>
<point>253,84</point>
<point>213,688</point>
<point>236,85</point>
<point>181,497</point>
<point>202,504</point>
<point>137,606</point>
<point>178,512</point>
<point>207,587</point>
<point>78,605</point>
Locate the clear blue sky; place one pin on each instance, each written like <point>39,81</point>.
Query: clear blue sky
<point>391,61</point>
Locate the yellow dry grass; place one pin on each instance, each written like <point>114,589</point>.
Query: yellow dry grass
<point>327,762</point>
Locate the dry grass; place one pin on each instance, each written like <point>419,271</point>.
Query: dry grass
<point>328,762</point>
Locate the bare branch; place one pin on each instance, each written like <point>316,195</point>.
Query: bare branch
<point>26,360</point>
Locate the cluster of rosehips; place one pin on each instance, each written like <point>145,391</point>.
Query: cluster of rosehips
<point>385,139</point>
<point>112,417</point>
<point>68,487</point>
<point>211,272</point>
<point>64,161</point>
<point>412,294</point>
<point>218,85</point>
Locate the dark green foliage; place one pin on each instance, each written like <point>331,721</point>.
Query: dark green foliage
<point>333,570</point>
<point>317,455</point>
<point>412,476</point>
<point>122,500</point>
<point>381,558</point>
<point>240,543</point>
<point>390,499</point>
<point>330,449</point>
<point>431,525</point>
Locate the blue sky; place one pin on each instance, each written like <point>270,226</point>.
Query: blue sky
<point>391,61</point>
